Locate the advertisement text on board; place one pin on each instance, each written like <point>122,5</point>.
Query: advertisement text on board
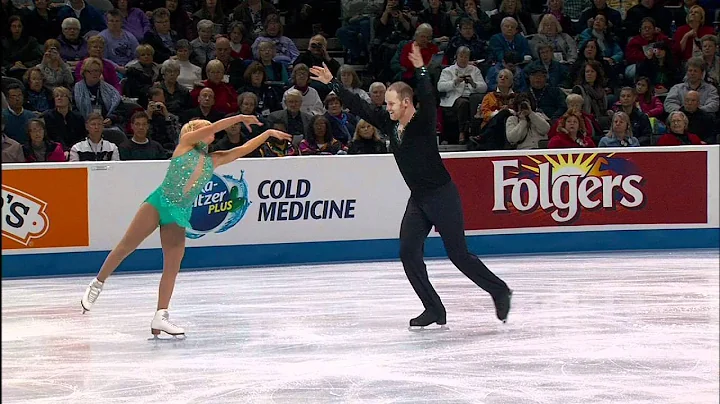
<point>24,217</point>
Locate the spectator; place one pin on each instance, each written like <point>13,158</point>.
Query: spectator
<point>274,71</point>
<point>39,148</point>
<point>234,138</point>
<point>355,34</point>
<point>700,122</point>
<point>391,27</point>
<point>550,32</point>
<point>133,20</point>
<point>589,123</point>
<point>513,9</point>
<point>510,62</point>
<point>319,140</point>
<point>351,81</point>
<point>268,98</point>
<point>234,68</point>
<point>20,51</point>
<point>659,68</point>
<point>467,37</point>
<point>607,43</point>
<point>590,51</point>
<point>494,111</point>
<point>647,101</point>
<point>90,18</point>
<point>526,127</point>
<point>241,48</point>
<point>556,8</point>
<point>92,94</point>
<point>63,124</point>
<point>225,94</point>
<point>709,101</point>
<point>203,47</point>
<point>55,71</point>
<point>555,72</point>
<point>96,50</point>
<point>711,58</point>
<point>509,39</point>
<point>461,83</point>
<point>15,117</point>
<point>278,148</point>
<point>205,109</point>
<point>377,95</point>
<point>613,19</point>
<point>248,103</point>
<point>164,126</point>
<point>686,41</point>
<point>316,55</point>
<point>423,38</point>
<point>177,97</point>
<point>639,122</point>
<point>296,122</point>
<point>620,134</point>
<point>547,99</point>
<point>570,134</point>
<point>252,14</point>
<point>286,51</point>
<point>73,47</point>
<point>43,20</point>
<point>213,12</point>
<point>180,21</point>
<point>39,98</point>
<point>120,45</point>
<point>639,49</point>
<point>592,89</point>
<point>366,140</point>
<point>141,74</point>
<point>161,37</point>
<point>342,124</point>
<point>94,148</point>
<point>12,151</point>
<point>482,24</point>
<point>678,135</point>
<point>190,74</point>
<point>311,102</point>
<point>139,147</point>
<point>652,9</point>
<point>439,20</point>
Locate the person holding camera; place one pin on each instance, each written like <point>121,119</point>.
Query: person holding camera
<point>316,55</point>
<point>525,128</point>
<point>164,126</point>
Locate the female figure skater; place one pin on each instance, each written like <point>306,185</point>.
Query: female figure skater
<point>170,207</point>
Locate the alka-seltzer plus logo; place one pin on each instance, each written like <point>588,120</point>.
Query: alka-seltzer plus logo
<point>562,184</point>
<point>24,217</point>
<point>221,205</point>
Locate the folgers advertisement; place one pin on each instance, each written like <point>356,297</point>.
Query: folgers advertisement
<point>582,189</point>
<point>44,208</point>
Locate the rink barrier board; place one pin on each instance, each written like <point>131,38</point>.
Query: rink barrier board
<point>300,210</point>
<point>209,258</point>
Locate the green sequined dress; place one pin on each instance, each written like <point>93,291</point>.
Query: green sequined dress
<point>174,205</point>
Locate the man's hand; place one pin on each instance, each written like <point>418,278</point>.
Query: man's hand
<point>321,74</point>
<point>416,57</point>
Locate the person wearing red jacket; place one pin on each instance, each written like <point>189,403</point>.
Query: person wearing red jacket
<point>687,35</point>
<point>574,103</point>
<point>39,148</point>
<point>649,34</point>
<point>225,95</point>
<point>678,135</point>
<point>571,135</point>
<point>423,37</point>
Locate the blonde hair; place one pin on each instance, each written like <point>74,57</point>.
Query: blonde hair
<point>574,98</point>
<point>89,62</point>
<point>626,118</point>
<point>144,48</point>
<point>363,122</point>
<point>194,125</point>
<point>549,19</point>
<point>96,39</point>
<point>700,10</point>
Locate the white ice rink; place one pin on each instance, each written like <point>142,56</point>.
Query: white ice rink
<point>595,328</point>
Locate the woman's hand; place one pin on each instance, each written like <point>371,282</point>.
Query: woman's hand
<point>279,135</point>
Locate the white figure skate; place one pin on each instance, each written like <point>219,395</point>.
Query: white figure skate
<point>91,294</point>
<point>161,323</point>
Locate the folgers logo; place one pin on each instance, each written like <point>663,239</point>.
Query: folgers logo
<point>24,217</point>
<point>221,205</point>
<point>562,185</point>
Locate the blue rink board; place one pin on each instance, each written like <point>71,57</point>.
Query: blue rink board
<point>88,263</point>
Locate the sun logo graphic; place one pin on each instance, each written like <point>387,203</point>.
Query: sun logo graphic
<point>221,205</point>
<point>24,217</point>
<point>562,184</point>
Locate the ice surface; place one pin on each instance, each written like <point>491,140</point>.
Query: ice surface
<point>599,328</point>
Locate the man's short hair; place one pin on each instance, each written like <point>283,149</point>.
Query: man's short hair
<point>94,116</point>
<point>402,89</point>
<point>139,115</point>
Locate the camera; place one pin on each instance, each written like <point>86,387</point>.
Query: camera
<point>525,105</point>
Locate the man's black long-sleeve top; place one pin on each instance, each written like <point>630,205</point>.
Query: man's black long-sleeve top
<point>416,151</point>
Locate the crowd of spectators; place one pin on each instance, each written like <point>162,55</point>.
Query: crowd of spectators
<point>88,80</point>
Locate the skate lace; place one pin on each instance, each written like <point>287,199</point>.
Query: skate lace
<point>166,320</point>
<point>94,293</point>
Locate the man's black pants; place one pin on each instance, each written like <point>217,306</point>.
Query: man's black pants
<point>441,208</point>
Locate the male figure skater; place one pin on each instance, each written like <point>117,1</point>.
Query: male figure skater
<point>434,198</point>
